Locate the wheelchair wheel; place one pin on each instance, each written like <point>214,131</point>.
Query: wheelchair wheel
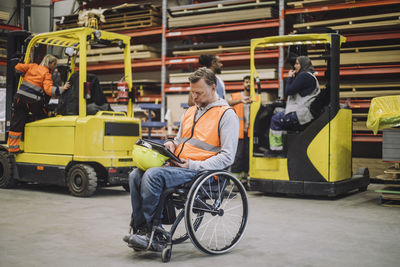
<point>219,200</point>
<point>178,229</point>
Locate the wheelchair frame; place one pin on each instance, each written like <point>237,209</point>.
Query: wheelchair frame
<point>204,201</point>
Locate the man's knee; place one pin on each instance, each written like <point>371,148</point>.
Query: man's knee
<point>152,180</point>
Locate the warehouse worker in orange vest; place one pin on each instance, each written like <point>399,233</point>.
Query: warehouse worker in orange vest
<point>207,140</point>
<point>29,98</point>
<point>241,104</point>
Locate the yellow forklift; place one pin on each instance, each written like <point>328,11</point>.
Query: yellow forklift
<point>80,151</point>
<point>316,159</point>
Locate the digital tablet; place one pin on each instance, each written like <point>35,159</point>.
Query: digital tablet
<point>163,150</point>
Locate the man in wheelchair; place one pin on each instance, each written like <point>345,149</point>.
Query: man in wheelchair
<point>207,140</point>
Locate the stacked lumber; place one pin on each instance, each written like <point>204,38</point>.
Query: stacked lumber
<point>120,18</point>
<point>385,54</point>
<point>356,23</point>
<point>308,3</point>
<point>227,75</point>
<point>217,12</point>
<point>96,55</point>
<point>4,16</point>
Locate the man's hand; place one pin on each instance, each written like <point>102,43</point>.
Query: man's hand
<point>66,86</point>
<point>170,145</point>
<point>184,164</point>
<point>246,100</point>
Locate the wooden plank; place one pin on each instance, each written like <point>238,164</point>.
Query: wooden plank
<point>114,50</point>
<point>390,56</point>
<point>226,75</point>
<point>299,4</point>
<point>357,49</point>
<point>221,17</point>
<point>349,21</point>
<point>384,84</point>
<point>360,126</point>
<point>212,51</point>
<point>220,8</point>
<point>4,15</point>
<point>368,25</point>
<point>208,4</point>
<point>368,94</point>
<point>360,115</point>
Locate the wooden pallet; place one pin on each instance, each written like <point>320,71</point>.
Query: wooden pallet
<point>125,17</point>
<point>389,196</point>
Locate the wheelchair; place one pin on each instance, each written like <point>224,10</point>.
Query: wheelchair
<point>213,208</point>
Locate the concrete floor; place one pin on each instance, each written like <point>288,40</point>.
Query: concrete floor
<point>45,226</point>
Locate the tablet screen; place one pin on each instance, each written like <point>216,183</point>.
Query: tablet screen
<point>163,150</point>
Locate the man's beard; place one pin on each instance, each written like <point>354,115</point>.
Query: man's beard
<point>218,71</point>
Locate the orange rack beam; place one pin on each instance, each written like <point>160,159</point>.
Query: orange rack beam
<point>10,27</point>
<point>367,138</point>
<point>358,103</point>
<point>340,6</point>
<point>371,36</point>
<point>260,24</point>
<point>143,32</point>
<point>229,86</point>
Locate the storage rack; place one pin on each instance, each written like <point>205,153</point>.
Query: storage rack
<point>296,12</point>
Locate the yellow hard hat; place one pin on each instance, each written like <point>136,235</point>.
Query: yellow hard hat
<point>145,158</point>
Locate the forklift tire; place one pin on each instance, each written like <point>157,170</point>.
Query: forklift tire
<point>6,171</point>
<point>82,180</point>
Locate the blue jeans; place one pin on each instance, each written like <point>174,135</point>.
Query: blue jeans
<point>280,122</point>
<point>147,187</point>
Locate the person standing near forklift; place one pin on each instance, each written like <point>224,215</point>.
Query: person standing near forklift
<point>240,101</point>
<point>29,98</point>
<point>302,88</point>
<point>213,62</point>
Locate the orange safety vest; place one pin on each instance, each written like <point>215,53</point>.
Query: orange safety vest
<point>239,109</point>
<point>38,78</point>
<point>200,139</point>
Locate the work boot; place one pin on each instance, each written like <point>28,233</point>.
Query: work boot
<point>141,241</point>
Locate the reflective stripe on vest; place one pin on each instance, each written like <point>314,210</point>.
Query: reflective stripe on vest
<point>238,108</point>
<point>200,139</point>
<point>31,85</point>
